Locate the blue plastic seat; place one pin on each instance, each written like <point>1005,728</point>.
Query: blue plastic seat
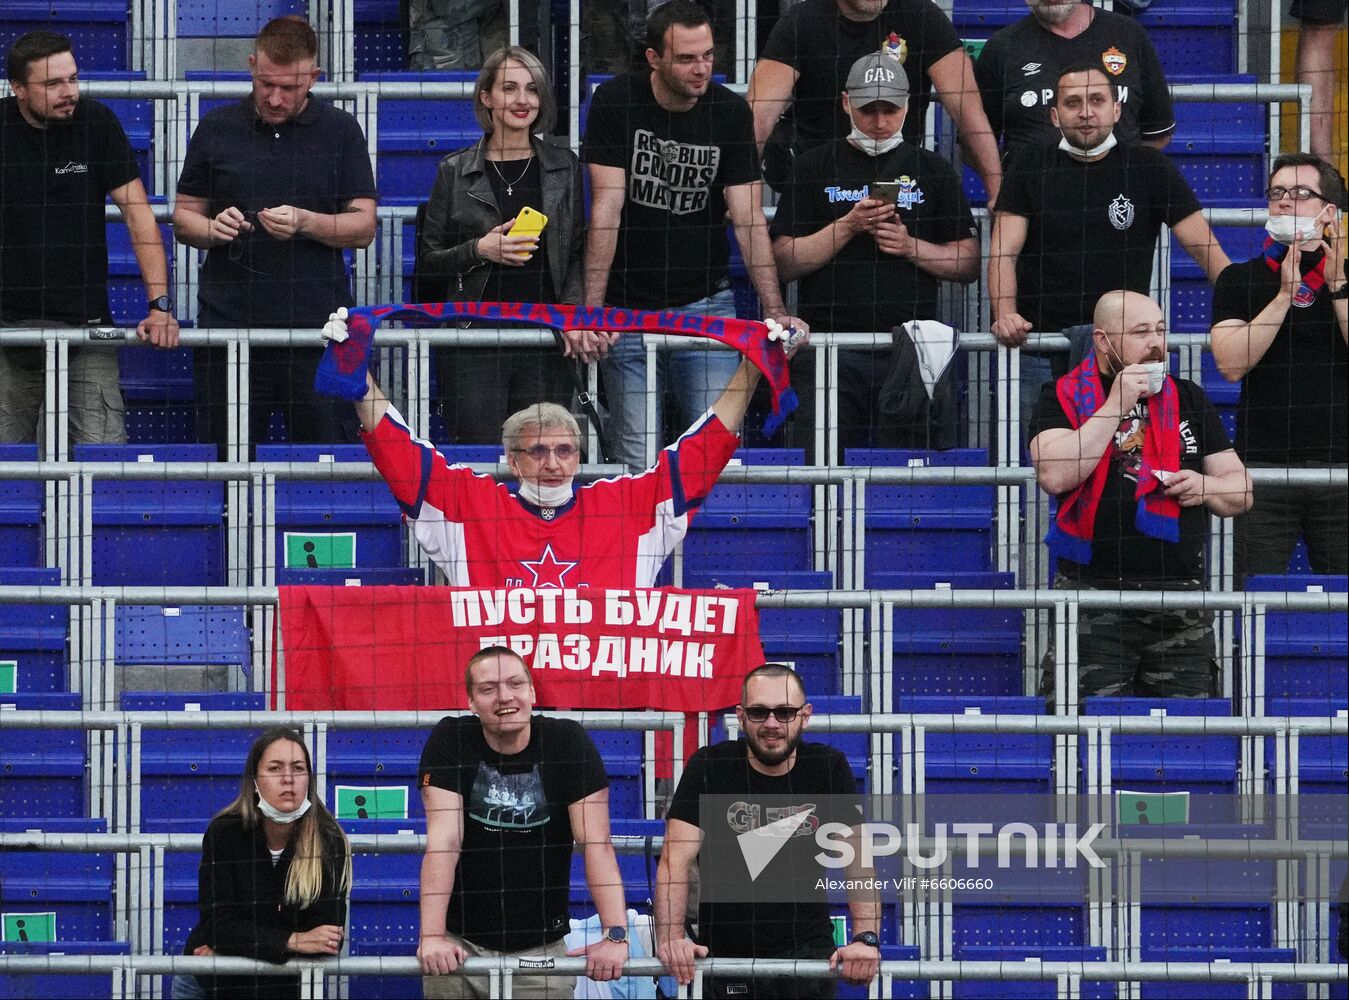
<point>43,769</point>
<point>376,758</point>
<point>906,524</point>
<point>21,503</point>
<point>1177,990</point>
<point>97,29</point>
<point>59,986</point>
<point>636,870</point>
<point>385,896</point>
<point>1199,764</point>
<point>1027,989</point>
<point>316,510</point>
<point>807,639</point>
<point>33,636</point>
<point>622,753</point>
<point>223,19</point>
<point>378,37</point>
<point>415,135</point>
<point>368,576</point>
<point>137,118</point>
<point>190,775</point>
<point>764,526</point>
<point>192,635</point>
<point>982,762</point>
<point>950,651</point>
<point>1197,37</point>
<point>1305,651</point>
<point>74,887</point>
<point>156,532</point>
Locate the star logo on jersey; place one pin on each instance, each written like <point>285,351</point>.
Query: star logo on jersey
<point>1121,213</point>
<point>1115,61</point>
<point>548,569</point>
<point>895,47</point>
<point>1030,69</point>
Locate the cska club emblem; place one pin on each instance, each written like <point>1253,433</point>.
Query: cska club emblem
<point>1115,61</point>
<point>895,47</point>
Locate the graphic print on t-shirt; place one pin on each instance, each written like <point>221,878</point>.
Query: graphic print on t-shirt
<point>1133,428</point>
<point>508,801</point>
<point>673,176</point>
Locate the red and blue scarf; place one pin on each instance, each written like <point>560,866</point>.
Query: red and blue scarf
<point>1158,515</point>
<point>342,371</point>
<point>1312,281</point>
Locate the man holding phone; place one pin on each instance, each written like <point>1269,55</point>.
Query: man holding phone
<point>1137,460</point>
<point>870,225</point>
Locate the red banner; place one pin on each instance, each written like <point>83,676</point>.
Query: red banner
<point>404,648</point>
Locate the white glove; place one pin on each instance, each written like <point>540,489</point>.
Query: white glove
<point>336,327</point>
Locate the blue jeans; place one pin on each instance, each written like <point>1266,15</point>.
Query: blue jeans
<point>187,988</point>
<point>698,376</point>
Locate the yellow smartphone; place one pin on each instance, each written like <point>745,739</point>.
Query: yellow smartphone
<point>528,223</point>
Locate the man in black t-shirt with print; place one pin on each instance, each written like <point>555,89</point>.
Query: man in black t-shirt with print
<point>61,157</point>
<point>275,188</point>
<point>1280,325</point>
<point>508,795</point>
<point>805,63</point>
<point>1136,459</point>
<point>771,764</point>
<point>1019,64</point>
<point>1079,218</point>
<point>670,156</point>
<point>867,263</point>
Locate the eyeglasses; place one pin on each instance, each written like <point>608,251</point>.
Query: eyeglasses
<point>760,713</point>
<point>540,452</point>
<point>1298,192</point>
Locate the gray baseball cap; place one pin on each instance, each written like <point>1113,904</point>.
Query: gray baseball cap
<point>877,77</point>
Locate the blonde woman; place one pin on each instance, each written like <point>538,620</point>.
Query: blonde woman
<point>274,877</point>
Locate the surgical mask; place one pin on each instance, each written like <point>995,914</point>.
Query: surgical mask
<point>276,815</point>
<point>545,496</point>
<point>873,147</point>
<point>1105,146</point>
<point>1291,229</point>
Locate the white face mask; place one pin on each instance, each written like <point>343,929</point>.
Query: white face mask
<point>276,815</point>
<point>1106,146</point>
<point>545,496</point>
<point>1290,229</point>
<point>870,146</point>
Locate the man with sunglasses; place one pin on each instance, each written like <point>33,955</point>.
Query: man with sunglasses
<point>1279,326</point>
<point>774,764</point>
<point>552,533</point>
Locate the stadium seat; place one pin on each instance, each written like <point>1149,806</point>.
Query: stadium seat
<point>197,645</point>
<point>332,525</point>
<point>637,870</point>
<point>33,637</point>
<point>1028,989</point>
<point>159,390</point>
<point>21,503</point>
<point>362,760</point>
<point>190,775</point>
<point>416,134</point>
<point>60,986</point>
<point>1305,651</point>
<point>954,651</point>
<point>981,762</point>
<point>621,751</point>
<point>1198,764</point>
<point>806,639</point>
<point>384,917</point>
<point>137,118</point>
<point>1027,910</point>
<point>377,576</point>
<point>1199,36</point>
<point>378,37</point>
<point>97,29</point>
<point>1178,990</point>
<point>765,526</point>
<point>179,888</point>
<point>156,532</point>
<point>906,524</point>
<point>55,896</point>
<point>224,19</point>
<point>43,769</point>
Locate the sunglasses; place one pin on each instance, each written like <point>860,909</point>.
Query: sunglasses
<point>540,452</point>
<point>760,713</point>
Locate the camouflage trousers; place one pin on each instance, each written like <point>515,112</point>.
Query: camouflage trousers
<point>1126,653</point>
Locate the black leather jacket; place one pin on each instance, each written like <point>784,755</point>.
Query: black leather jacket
<point>462,208</point>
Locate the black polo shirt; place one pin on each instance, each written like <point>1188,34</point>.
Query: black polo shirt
<point>316,161</point>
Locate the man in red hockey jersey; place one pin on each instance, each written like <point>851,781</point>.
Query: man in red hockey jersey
<point>610,533</point>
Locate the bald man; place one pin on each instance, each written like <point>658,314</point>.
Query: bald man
<point>1135,459</point>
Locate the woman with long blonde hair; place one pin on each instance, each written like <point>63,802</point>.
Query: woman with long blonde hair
<point>274,877</point>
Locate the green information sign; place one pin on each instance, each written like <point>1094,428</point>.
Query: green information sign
<point>1152,808</point>
<point>9,676</point>
<point>372,802</point>
<point>29,926</point>
<point>332,550</point>
<point>973,46</point>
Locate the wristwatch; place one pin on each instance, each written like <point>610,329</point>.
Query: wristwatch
<point>1340,293</point>
<point>618,935</point>
<point>868,938</point>
<point>161,304</point>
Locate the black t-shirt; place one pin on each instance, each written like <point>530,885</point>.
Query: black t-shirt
<point>1293,406</point>
<point>765,930</point>
<point>1020,65</point>
<point>317,161</point>
<point>512,883</point>
<point>532,282</point>
<point>672,247</point>
<point>861,288</point>
<point>1093,226</point>
<point>821,45</point>
<point>54,183</point>
<point>1119,551</point>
